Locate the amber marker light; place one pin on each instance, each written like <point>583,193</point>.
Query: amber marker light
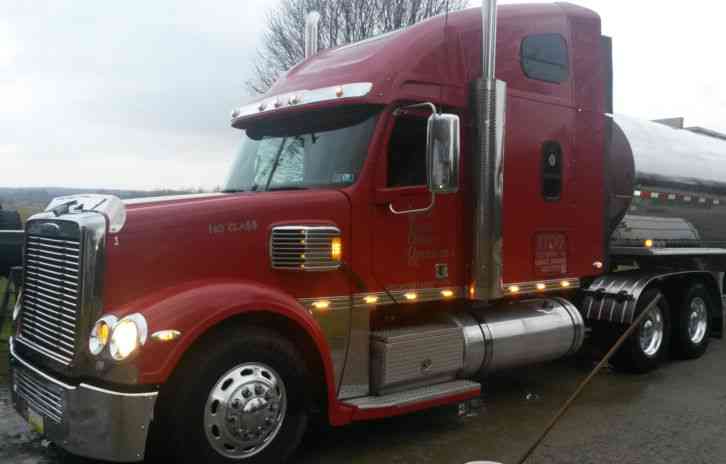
<point>648,243</point>
<point>336,249</point>
<point>339,91</point>
<point>321,304</point>
<point>410,296</point>
<point>447,293</point>
<point>513,289</point>
<point>371,299</point>
<point>541,286</point>
<point>165,335</point>
<point>565,284</point>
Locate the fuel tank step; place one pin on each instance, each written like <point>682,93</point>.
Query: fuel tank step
<point>429,393</point>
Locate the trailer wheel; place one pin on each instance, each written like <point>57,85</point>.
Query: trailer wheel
<point>239,400</point>
<point>647,346</point>
<point>692,323</point>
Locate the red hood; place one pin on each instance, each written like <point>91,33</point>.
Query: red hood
<point>170,242</point>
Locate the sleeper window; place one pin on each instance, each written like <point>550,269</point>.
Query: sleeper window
<point>407,152</point>
<point>544,57</point>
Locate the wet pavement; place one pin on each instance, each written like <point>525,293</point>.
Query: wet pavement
<point>674,415</point>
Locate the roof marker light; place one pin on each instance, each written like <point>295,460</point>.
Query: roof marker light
<point>447,293</point>
<point>565,283</point>
<point>513,289</point>
<point>648,243</point>
<point>339,91</point>
<point>541,286</point>
<point>321,304</point>
<point>410,296</point>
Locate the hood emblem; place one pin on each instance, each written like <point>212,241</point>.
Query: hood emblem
<point>50,228</point>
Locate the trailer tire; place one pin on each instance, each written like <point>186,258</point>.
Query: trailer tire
<point>692,323</point>
<point>647,346</point>
<point>238,400</point>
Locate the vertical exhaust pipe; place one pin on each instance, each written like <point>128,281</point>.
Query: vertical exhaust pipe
<point>488,39</point>
<point>311,33</point>
<point>488,104</point>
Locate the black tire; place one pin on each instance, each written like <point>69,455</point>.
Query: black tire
<point>684,346</point>
<point>631,357</point>
<point>180,431</point>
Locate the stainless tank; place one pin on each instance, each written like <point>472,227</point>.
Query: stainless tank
<point>519,333</point>
<point>667,185</point>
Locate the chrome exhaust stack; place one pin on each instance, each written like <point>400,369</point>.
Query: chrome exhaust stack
<point>311,33</point>
<point>489,107</point>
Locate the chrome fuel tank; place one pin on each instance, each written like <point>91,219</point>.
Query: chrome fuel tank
<point>666,185</point>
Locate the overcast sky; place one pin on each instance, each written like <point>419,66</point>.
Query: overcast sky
<point>137,94</point>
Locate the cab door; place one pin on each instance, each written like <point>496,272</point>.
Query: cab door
<point>415,242</point>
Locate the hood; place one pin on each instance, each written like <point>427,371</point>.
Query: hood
<point>168,242</point>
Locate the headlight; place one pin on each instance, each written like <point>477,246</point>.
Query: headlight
<point>127,335</point>
<point>101,334</point>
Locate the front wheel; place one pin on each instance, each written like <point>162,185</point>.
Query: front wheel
<point>239,400</point>
<point>646,347</point>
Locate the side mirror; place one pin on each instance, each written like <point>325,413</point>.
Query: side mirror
<point>442,153</point>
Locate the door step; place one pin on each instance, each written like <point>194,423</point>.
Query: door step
<point>370,407</point>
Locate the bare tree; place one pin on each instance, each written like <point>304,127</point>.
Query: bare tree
<point>341,22</point>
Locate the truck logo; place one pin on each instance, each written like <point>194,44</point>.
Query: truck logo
<point>246,225</point>
<point>50,228</point>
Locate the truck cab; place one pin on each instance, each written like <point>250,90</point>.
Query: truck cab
<point>404,215</point>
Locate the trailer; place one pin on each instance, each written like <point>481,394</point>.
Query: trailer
<point>406,215</point>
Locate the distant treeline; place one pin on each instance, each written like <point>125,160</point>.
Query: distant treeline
<point>28,201</point>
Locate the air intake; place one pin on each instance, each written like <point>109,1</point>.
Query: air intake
<point>305,248</point>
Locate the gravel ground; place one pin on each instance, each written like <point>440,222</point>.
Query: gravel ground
<point>674,415</point>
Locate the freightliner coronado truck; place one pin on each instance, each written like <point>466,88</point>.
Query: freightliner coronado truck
<point>400,221</point>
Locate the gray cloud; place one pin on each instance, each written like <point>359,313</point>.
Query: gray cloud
<point>129,94</point>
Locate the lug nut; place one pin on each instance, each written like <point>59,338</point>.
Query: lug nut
<point>236,404</point>
<point>247,393</point>
<point>258,389</point>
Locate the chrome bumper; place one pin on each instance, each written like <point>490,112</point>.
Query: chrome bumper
<point>83,419</point>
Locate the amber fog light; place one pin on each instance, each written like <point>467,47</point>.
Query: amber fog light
<point>101,334</point>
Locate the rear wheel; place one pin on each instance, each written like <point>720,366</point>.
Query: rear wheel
<point>646,347</point>
<point>238,400</point>
<point>692,325</point>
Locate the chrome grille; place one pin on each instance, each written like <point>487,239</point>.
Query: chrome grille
<point>42,397</point>
<point>51,296</point>
<point>303,248</point>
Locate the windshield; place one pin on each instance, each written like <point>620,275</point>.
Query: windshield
<point>317,149</point>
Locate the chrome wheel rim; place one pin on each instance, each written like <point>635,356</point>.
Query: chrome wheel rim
<point>697,320</point>
<point>651,332</point>
<point>245,410</point>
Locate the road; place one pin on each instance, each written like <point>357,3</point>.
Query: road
<point>674,415</point>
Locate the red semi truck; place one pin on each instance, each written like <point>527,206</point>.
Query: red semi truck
<point>401,220</point>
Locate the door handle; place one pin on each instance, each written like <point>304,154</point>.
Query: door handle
<point>416,210</point>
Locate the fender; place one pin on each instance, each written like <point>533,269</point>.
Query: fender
<point>614,297</point>
<point>198,306</point>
